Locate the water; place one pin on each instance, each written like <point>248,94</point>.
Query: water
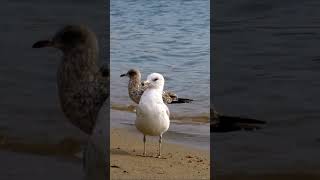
<point>266,66</point>
<point>168,37</point>
<point>29,103</point>
<point>33,129</point>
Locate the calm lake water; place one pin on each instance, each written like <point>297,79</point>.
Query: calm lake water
<point>266,66</point>
<point>168,37</point>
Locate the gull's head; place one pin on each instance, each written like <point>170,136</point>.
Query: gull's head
<point>71,37</point>
<point>155,80</point>
<point>132,73</point>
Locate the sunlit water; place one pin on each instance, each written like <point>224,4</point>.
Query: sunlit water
<point>168,37</point>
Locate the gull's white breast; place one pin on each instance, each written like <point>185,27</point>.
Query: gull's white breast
<point>152,114</point>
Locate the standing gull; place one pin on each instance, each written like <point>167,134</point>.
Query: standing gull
<point>152,114</point>
<point>82,86</point>
<point>136,89</point>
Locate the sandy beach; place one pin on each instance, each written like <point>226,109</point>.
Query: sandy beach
<point>177,161</point>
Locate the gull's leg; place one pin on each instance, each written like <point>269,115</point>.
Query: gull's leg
<point>160,141</point>
<point>144,145</point>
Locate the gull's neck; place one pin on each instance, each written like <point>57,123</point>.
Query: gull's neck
<point>155,93</point>
<point>79,64</point>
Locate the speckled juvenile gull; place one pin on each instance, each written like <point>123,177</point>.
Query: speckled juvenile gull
<point>83,92</point>
<point>82,86</point>
<point>136,89</point>
<point>152,113</point>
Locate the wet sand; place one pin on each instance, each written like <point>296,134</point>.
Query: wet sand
<point>177,162</point>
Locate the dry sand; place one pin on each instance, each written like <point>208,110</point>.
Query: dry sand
<point>177,161</point>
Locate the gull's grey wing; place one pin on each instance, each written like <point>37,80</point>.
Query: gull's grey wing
<point>167,111</point>
<point>139,114</point>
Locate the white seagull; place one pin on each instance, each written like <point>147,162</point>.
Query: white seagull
<point>152,113</point>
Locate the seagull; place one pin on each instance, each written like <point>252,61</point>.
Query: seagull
<point>82,84</point>
<point>152,114</point>
<point>136,89</point>
<point>83,89</point>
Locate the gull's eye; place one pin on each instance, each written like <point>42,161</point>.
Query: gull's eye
<point>155,79</point>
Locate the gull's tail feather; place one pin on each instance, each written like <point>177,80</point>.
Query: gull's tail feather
<point>181,100</point>
<point>231,123</point>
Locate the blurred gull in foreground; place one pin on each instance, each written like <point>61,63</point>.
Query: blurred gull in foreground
<point>83,90</point>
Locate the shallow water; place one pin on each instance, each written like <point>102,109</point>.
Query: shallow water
<point>169,37</point>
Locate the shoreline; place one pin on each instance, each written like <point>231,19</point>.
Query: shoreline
<point>199,118</point>
<point>177,161</point>
<point>191,135</point>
